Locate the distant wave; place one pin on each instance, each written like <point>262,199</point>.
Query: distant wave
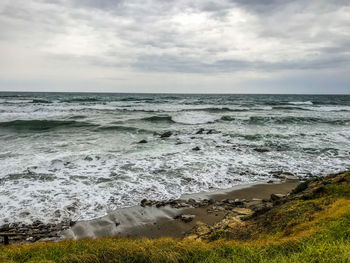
<point>228,118</point>
<point>136,99</point>
<point>258,136</point>
<point>122,129</point>
<point>39,125</point>
<point>82,99</point>
<point>40,101</point>
<point>287,120</point>
<point>290,108</point>
<point>184,119</point>
<point>217,109</point>
<point>76,117</point>
<point>164,118</point>
<point>295,120</point>
<point>332,108</point>
<point>301,102</point>
<point>209,109</point>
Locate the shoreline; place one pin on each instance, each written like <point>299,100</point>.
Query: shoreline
<point>155,219</point>
<point>176,218</point>
<point>311,223</point>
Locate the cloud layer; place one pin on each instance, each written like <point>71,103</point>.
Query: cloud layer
<point>175,46</point>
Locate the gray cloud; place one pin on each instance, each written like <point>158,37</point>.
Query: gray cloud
<point>111,39</point>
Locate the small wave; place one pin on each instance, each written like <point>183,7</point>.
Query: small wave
<point>286,120</point>
<point>81,99</point>
<point>332,108</point>
<point>122,129</point>
<point>136,99</point>
<point>290,108</point>
<point>227,118</point>
<point>40,101</point>
<point>39,125</point>
<point>217,109</point>
<point>296,120</point>
<point>76,117</point>
<point>301,102</point>
<point>165,118</point>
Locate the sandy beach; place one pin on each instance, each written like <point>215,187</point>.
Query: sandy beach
<point>150,221</point>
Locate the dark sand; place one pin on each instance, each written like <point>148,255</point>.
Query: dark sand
<point>152,222</point>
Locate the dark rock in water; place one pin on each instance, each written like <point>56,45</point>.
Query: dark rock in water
<point>143,141</point>
<point>5,228</point>
<point>196,148</point>
<point>210,132</point>
<point>88,158</point>
<point>200,131</point>
<point>166,134</point>
<point>145,202</point>
<point>160,204</point>
<point>270,182</point>
<point>261,150</point>
<point>185,218</point>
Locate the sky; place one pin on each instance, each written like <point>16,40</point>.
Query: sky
<point>175,46</point>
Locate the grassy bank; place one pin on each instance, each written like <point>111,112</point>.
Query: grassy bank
<point>310,225</point>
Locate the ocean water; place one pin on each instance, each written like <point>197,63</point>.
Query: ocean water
<point>77,155</point>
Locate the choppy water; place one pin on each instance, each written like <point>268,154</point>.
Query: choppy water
<point>77,156</point>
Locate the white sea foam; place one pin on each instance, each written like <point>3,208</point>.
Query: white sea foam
<point>194,118</point>
<point>301,102</point>
<point>331,108</point>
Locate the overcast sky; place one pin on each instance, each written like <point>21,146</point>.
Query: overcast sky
<point>195,46</point>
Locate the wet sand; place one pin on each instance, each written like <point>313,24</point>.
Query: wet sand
<point>153,222</point>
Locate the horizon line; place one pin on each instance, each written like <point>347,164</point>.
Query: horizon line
<point>174,93</point>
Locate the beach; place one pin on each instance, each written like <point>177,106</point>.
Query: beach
<point>290,222</point>
<point>156,219</point>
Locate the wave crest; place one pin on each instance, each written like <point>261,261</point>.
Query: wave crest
<point>39,125</point>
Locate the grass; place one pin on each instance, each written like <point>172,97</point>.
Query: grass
<point>312,229</point>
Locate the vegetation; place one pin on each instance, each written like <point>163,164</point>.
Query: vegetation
<point>311,225</point>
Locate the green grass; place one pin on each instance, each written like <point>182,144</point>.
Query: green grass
<point>330,245</point>
<point>313,230</point>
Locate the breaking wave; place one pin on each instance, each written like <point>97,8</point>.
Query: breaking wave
<point>39,125</point>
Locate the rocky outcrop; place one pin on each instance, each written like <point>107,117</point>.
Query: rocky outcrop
<point>37,231</point>
<point>237,218</point>
<point>166,134</point>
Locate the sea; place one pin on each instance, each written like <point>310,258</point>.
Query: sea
<point>79,156</point>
